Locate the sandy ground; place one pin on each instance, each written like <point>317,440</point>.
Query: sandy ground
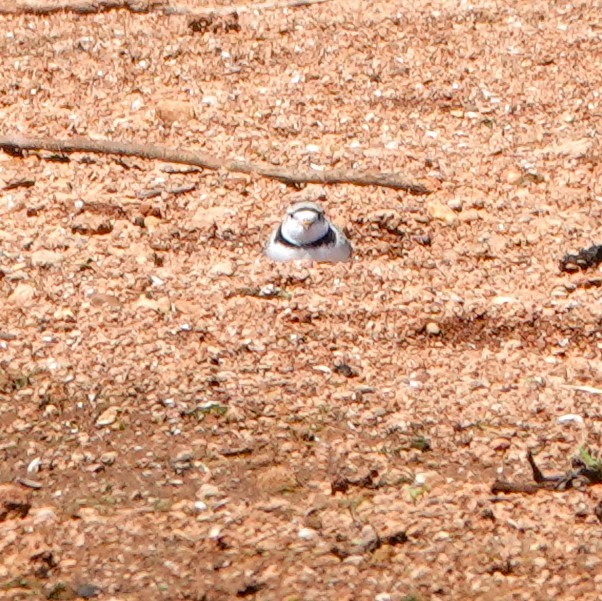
<point>202,424</point>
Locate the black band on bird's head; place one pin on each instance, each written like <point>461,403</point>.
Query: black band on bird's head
<point>305,206</point>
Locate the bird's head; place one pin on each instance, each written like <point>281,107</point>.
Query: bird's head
<point>304,223</point>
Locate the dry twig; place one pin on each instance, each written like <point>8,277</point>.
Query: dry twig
<point>16,145</point>
<point>590,389</point>
<point>19,183</point>
<point>581,474</point>
<point>86,7</point>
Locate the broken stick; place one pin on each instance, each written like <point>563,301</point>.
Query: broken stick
<point>88,7</point>
<point>581,474</point>
<point>16,145</point>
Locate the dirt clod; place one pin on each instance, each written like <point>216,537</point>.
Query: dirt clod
<point>15,502</point>
<point>584,259</point>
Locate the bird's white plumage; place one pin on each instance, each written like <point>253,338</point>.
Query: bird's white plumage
<point>306,234</point>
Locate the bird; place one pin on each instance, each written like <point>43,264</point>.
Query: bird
<point>306,234</point>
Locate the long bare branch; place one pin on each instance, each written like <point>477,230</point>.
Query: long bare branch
<point>17,145</point>
<point>84,7</point>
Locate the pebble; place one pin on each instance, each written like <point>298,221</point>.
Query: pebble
<point>22,295</point>
<point>420,479</point>
<point>107,417</point>
<point>500,444</point>
<point>91,224</point>
<point>307,533</point>
<point>215,532</point>
<point>503,300</point>
<point>97,300</point>
<point>207,491</point>
<point>34,466</point>
<point>170,111</point>
<point>108,458</point>
<point>185,456</point>
<point>433,329</point>
<point>513,176</point>
<point>161,305</point>
<point>277,480</point>
<point>206,217</point>
<point>354,560</point>
<point>46,258</point>
<point>43,515</point>
<point>470,215</point>
<point>86,591</point>
<point>430,478</point>
<point>223,268</point>
<point>569,418</point>
<point>151,223</point>
<point>442,212</point>
<point>368,538</point>
<point>455,204</point>
<point>210,100</point>
<point>571,148</point>
<point>50,410</point>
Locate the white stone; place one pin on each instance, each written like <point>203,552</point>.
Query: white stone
<point>306,533</point>
<point>570,418</point>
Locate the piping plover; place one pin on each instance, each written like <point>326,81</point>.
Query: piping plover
<point>306,234</point>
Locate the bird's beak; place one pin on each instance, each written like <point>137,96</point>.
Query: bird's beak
<point>306,224</point>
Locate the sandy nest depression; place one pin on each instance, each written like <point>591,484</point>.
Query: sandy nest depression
<point>199,423</point>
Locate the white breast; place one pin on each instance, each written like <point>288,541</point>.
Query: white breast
<point>279,252</point>
<point>339,251</point>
